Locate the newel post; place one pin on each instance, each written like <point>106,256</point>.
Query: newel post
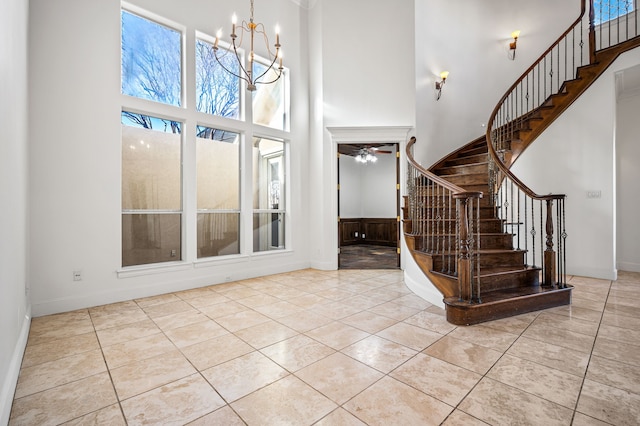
<point>592,33</point>
<point>549,253</point>
<point>464,261</point>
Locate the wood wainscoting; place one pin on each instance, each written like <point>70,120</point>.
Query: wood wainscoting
<point>383,232</point>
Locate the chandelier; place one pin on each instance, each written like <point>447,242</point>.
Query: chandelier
<point>248,74</point>
<point>365,156</point>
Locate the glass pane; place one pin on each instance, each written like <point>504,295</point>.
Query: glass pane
<point>217,91</point>
<point>268,231</point>
<point>150,238</point>
<point>218,169</point>
<point>151,58</point>
<point>269,100</point>
<point>218,234</point>
<point>151,163</point>
<point>606,10</point>
<point>268,174</point>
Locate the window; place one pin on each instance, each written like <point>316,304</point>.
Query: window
<point>217,91</point>
<point>607,10</point>
<point>187,151</point>
<point>218,170</point>
<point>151,58</point>
<point>268,195</point>
<point>151,189</point>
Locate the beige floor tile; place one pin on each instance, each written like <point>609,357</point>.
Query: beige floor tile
<point>412,301</point>
<point>305,321</point>
<point>64,403</point>
<point>265,334</point>
<point>629,311</point>
<point>545,382</point>
<point>498,404</point>
<point>577,312</point>
<point>279,310</point>
<point>619,334</point>
<point>287,401</point>
<point>175,403</point>
<point>339,377</point>
<point>59,348</point>
<point>514,325</point>
<point>557,336</point>
<point>223,416</point>
<point>136,350</point>
<point>156,300</point>
<point>52,327</point>
<point>259,300</point>
<point>548,319</point>
<point>110,415</point>
<point>195,333</point>
<point>579,293</point>
<point>390,402</point>
<point>621,321</point>
<point>395,311</point>
<point>464,354</point>
<point>623,298</point>
<point>381,354</point>
<point>337,335</point>
<point>241,292</point>
<point>194,293</point>
<point>579,302</point>
<point>181,319</point>
<point>242,320</point>
<point>139,377</point>
<point>485,336</point>
<point>416,338</point>
<point>334,293</point>
<point>336,310</point>
<point>614,373</point>
<point>340,417</point>
<point>124,333</point>
<point>59,372</point>
<point>443,381</point>
<point>609,404</point>
<point>459,418</point>
<point>431,321</point>
<point>580,419</point>
<point>369,322</point>
<point>308,301</point>
<point>617,351</point>
<point>243,375</point>
<point>156,311</point>
<point>554,356</point>
<point>118,318</point>
<point>216,351</point>
<point>207,299</point>
<point>113,308</point>
<point>362,302</point>
<point>297,352</point>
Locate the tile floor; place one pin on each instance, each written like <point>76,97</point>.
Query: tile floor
<point>348,347</point>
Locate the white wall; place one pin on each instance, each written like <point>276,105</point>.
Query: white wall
<point>368,190</point>
<point>470,38</point>
<point>75,152</point>
<point>627,178</point>
<point>574,155</point>
<point>362,75</point>
<point>14,305</point>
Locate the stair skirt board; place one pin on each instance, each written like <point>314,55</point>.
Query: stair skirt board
<point>505,305</point>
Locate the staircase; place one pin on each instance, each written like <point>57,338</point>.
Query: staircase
<point>492,246</point>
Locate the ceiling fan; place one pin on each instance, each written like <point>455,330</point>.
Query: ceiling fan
<point>360,150</point>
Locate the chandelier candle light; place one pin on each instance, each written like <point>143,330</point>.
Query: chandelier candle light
<point>247,74</point>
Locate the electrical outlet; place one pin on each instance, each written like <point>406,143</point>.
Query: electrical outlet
<point>364,236</point>
<point>227,278</point>
<point>174,253</point>
<point>594,194</point>
<point>77,275</point>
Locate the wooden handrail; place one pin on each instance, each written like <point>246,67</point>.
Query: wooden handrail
<point>456,191</point>
<point>511,89</point>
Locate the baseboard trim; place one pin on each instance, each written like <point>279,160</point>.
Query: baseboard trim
<point>11,381</point>
<point>629,266</point>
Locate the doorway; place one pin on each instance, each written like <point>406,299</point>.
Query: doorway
<point>368,205</point>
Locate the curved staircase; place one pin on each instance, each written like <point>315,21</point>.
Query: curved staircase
<point>492,246</point>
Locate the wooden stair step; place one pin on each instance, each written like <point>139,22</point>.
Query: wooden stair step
<point>463,169</point>
<point>505,303</point>
<point>469,159</point>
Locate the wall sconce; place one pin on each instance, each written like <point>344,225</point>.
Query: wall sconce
<point>513,44</point>
<point>439,84</point>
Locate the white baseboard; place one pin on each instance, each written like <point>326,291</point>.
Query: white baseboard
<point>9,386</point>
<point>424,289</point>
<point>629,266</point>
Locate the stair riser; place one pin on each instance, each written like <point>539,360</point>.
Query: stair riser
<point>507,259</point>
<point>509,280</point>
<point>445,172</point>
<point>470,159</point>
<point>501,242</point>
<point>487,225</point>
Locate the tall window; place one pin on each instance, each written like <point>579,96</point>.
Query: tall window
<point>606,10</point>
<point>151,190</point>
<point>166,127</point>
<point>218,166</point>
<point>151,57</point>
<point>268,194</point>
